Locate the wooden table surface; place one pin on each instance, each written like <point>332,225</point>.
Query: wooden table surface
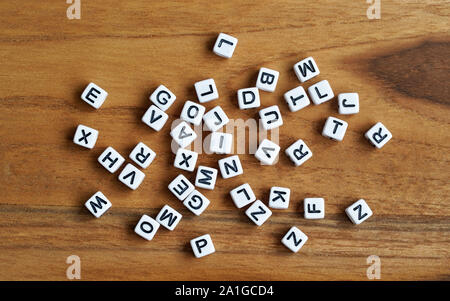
<point>398,64</point>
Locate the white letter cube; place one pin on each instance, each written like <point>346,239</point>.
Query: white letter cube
<point>314,208</point>
<point>279,197</point>
<point>215,119</point>
<point>267,152</point>
<point>206,177</point>
<point>162,97</point>
<point>168,217</point>
<point>258,212</point>
<point>146,227</point>
<point>298,152</point>
<point>142,155</point>
<point>378,135</point>
<point>334,128</point>
<point>242,195</point>
<point>296,99</point>
<point>225,45</point>
<point>131,176</point>
<point>206,90</point>
<point>85,136</point>
<point>320,92</point>
<point>359,212</point>
<point>185,159</point>
<point>221,143</point>
<point>196,202</point>
<point>294,239</point>
<point>248,98</point>
<point>98,204</point>
<point>348,103</point>
<point>230,167</point>
<point>271,117</point>
<point>192,112</point>
<point>94,95</point>
<point>306,69</point>
<point>202,246</point>
<point>111,159</point>
<point>155,118</point>
<point>181,187</point>
<point>267,79</point>
<point>183,134</point>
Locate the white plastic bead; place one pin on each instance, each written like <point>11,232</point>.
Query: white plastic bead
<point>85,136</point>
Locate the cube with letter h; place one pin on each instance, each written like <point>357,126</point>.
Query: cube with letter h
<point>111,159</point>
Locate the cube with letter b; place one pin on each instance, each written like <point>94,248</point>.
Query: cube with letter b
<point>267,79</point>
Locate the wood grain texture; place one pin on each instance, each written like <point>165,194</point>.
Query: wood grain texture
<point>399,65</point>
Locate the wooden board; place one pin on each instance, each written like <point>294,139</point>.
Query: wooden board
<point>398,64</point>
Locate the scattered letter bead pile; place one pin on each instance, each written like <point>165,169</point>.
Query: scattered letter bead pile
<point>221,143</point>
